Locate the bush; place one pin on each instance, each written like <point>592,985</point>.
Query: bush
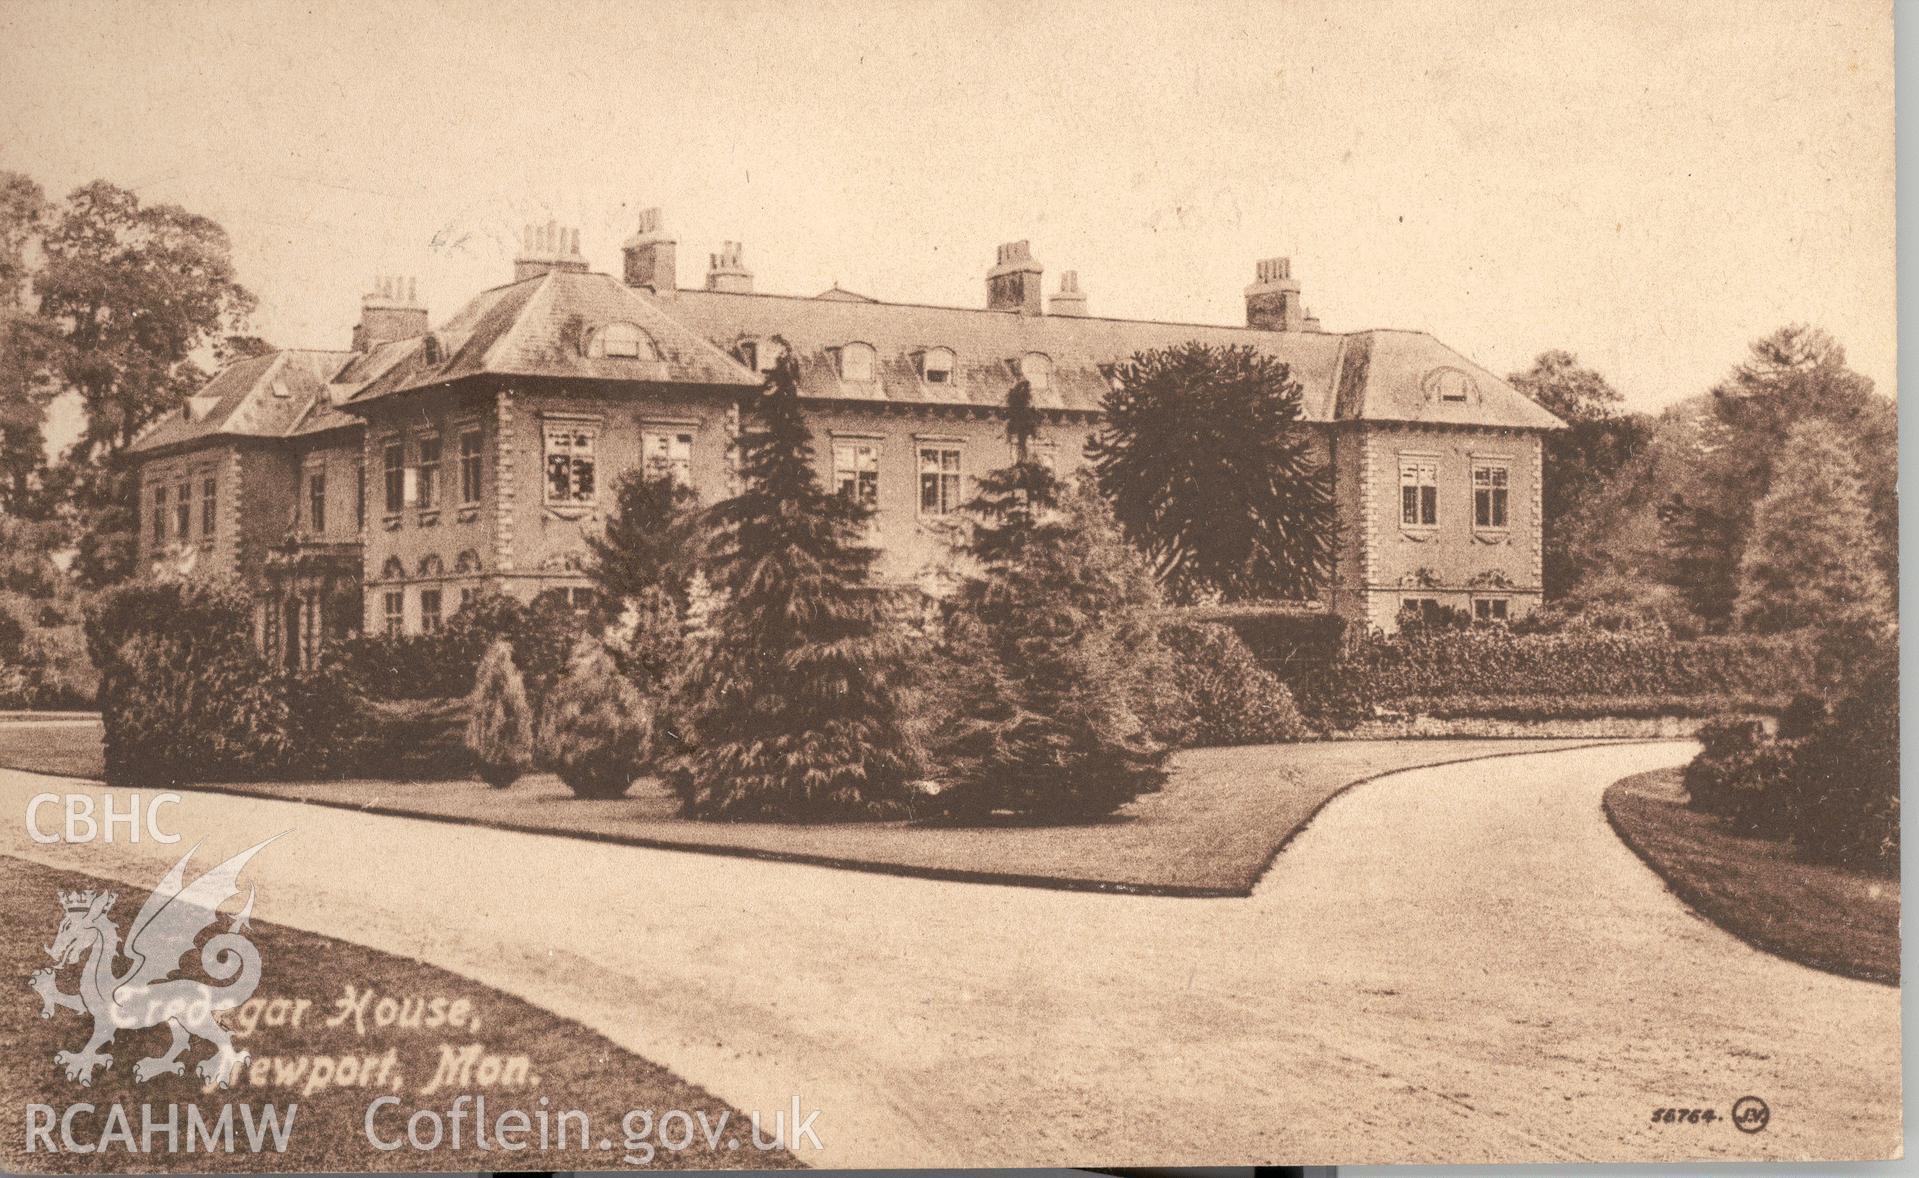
<point>414,739</point>
<point>1742,774</point>
<point>444,665</point>
<point>183,694</point>
<point>1225,696</point>
<point>596,726</point>
<point>1846,787</point>
<point>500,732</point>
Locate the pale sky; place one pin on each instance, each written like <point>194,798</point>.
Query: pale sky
<point>1648,185</point>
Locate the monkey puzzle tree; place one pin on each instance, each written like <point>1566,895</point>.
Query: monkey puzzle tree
<point>789,709</point>
<point>1212,473</point>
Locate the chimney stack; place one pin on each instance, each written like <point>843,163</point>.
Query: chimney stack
<point>1272,301</point>
<point>1070,300</point>
<point>390,311</point>
<point>651,257</point>
<point>548,247</point>
<point>726,272</point>
<point>1013,284</point>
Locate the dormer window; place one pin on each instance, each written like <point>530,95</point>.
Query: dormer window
<point>857,362</point>
<point>749,351</point>
<point>1450,386</point>
<point>620,341</point>
<point>1036,369</point>
<point>935,365</point>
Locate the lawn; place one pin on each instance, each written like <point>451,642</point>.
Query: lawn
<point>570,1066</point>
<point>1830,918</point>
<point>1211,831</point>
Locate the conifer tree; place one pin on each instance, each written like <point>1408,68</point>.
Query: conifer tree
<point>790,708</point>
<point>1810,558</point>
<point>597,725</point>
<point>499,733</point>
<point>1047,648</point>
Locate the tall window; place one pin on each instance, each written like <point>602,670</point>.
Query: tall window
<point>428,487</point>
<point>470,465</point>
<point>1418,492</point>
<point>359,495</point>
<point>183,511</point>
<point>316,500</point>
<point>159,515</point>
<point>209,505</point>
<point>669,455</point>
<point>939,480</point>
<point>569,464</point>
<point>429,611</point>
<point>1489,495</point>
<point>856,470</point>
<point>394,457</point>
<point>395,611</point>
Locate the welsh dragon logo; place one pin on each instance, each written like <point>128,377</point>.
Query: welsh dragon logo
<point>147,993</point>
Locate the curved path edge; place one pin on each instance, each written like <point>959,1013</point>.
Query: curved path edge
<point>1697,903</point>
<point>881,867</point>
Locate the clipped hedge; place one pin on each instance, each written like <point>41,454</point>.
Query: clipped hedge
<point>1493,663</point>
<point>444,665</point>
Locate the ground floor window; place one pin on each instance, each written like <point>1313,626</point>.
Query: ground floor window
<point>395,611</point>
<point>1490,609</point>
<point>429,611</point>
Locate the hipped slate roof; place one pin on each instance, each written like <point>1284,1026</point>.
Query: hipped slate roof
<point>1363,376</point>
<point>539,327</point>
<point>267,396</point>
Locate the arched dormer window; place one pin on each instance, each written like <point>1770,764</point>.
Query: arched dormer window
<point>858,362</point>
<point>1036,369</point>
<point>1450,385</point>
<point>467,562</point>
<point>621,341</point>
<point>936,365</point>
<point>393,570</point>
<point>430,350</point>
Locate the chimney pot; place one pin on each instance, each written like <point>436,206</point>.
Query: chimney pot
<point>1014,283</point>
<point>549,247</point>
<point>389,311</point>
<point>1272,301</point>
<point>651,254</point>
<point>1070,300</point>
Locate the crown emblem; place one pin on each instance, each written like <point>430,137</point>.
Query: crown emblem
<point>79,901</point>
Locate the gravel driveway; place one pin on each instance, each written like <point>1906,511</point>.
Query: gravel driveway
<point>1454,964</point>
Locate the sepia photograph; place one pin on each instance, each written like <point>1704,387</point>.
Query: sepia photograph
<point>1286,583</point>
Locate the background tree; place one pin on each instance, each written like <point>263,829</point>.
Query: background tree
<point>499,733</point>
<point>23,387</point>
<point>1596,444</point>
<point>1810,558</point>
<point>1795,374</point>
<point>790,708</point>
<point>1213,475</point>
<point>1045,651</point>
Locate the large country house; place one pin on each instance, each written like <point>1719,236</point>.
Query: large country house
<point>383,485</point>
